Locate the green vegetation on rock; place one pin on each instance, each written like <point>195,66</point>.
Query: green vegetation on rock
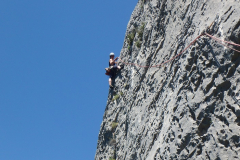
<point>117,96</point>
<point>130,37</point>
<point>114,125</point>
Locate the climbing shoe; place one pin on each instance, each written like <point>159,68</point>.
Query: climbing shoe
<point>110,86</point>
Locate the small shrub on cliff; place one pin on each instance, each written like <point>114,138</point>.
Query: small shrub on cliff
<point>140,31</point>
<point>130,37</point>
<point>111,158</point>
<point>138,44</point>
<point>117,96</point>
<point>114,125</point>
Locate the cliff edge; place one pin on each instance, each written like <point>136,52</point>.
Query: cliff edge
<point>187,108</point>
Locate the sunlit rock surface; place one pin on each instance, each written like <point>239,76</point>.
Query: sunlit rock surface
<point>188,108</point>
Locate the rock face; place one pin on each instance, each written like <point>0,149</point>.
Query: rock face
<point>188,108</point>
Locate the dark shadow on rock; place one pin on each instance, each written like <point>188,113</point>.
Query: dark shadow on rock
<point>185,141</point>
<point>204,125</point>
<point>212,52</point>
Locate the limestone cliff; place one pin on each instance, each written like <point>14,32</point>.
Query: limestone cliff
<point>188,108</point>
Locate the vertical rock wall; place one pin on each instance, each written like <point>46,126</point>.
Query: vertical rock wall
<point>190,107</point>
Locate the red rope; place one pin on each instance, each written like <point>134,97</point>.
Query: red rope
<point>217,39</point>
<point>229,47</point>
<point>165,61</point>
<point>220,41</point>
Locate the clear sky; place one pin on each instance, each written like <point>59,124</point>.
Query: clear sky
<point>53,90</point>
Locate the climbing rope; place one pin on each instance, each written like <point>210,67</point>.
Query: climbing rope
<point>217,39</point>
<point>214,38</point>
<point>220,42</point>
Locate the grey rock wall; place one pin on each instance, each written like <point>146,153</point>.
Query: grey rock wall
<point>188,108</point>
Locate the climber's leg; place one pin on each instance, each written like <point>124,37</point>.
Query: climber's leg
<point>110,82</point>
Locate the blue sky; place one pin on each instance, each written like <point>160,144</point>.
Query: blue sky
<point>53,90</point>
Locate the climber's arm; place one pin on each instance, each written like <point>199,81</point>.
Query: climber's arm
<point>112,62</point>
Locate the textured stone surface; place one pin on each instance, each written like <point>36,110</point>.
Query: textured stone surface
<point>188,108</point>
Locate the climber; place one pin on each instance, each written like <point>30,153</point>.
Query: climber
<point>111,70</point>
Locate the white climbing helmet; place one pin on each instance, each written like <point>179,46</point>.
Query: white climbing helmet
<point>111,54</point>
